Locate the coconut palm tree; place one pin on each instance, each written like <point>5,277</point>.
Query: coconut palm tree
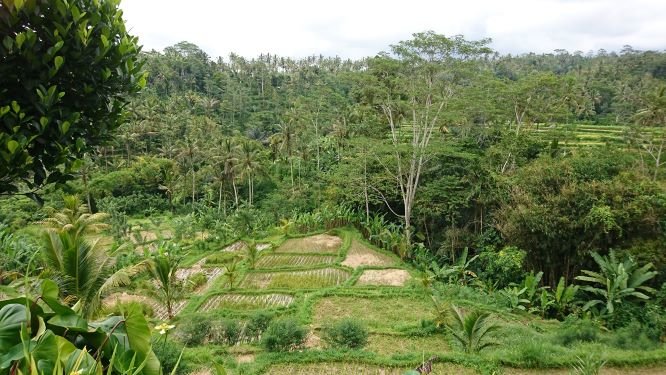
<point>80,258</point>
<point>227,162</point>
<point>471,330</point>
<point>163,266</point>
<point>189,157</point>
<point>249,164</point>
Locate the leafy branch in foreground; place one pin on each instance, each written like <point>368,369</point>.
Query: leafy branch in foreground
<point>42,336</point>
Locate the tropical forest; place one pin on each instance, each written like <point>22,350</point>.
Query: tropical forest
<point>435,207</point>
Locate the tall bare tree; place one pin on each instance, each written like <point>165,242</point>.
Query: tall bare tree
<point>422,77</point>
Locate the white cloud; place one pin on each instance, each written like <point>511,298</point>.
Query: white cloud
<point>363,28</point>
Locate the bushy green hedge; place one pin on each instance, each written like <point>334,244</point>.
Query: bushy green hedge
<point>284,335</point>
<point>347,333</point>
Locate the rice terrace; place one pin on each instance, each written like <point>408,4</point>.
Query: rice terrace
<point>323,189</point>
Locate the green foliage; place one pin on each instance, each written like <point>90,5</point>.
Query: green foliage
<point>576,331</point>
<point>226,332</point>
<point>471,331</point>
<point>231,272</point>
<point>533,353</point>
<point>80,257</point>
<point>564,298</point>
<point>194,330</point>
<point>552,211</point>
<point>588,365</point>
<point>258,323</point>
<point>169,354</point>
<point>458,272</point>
<point>515,298</point>
<point>196,280</point>
<point>71,91</point>
<point>163,266</point>
<point>346,333</point>
<point>121,343</point>
<point>251,254</point>
<point>121,307</point>
<point>15,253</point>
<point>618,281</point>
<point>634,336</point>
<point>284,335</point>
<point>222,258</point>
<point>504,266</point>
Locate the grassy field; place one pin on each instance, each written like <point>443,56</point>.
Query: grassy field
<point>584,135</point>
<point>322,278</point>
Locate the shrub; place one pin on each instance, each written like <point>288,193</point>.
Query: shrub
<point>535,353</point>
<point>196,280</point>
<point>228,331</point>
<point>168,353</point>
<point>194,331</point>
<point>284,335</point>
<point>222,258</point>
<point>346,333</point>
<point>425,328</point>
<point>258,323</point>
<point>577,331</point>
<point>634,336</point>
<point>504,266</point>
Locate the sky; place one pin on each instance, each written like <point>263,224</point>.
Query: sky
<point>360,28</point>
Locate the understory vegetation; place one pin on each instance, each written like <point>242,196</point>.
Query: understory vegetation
<point>438,204</point>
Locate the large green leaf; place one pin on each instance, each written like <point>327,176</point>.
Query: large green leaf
<point>45,353</point>
<point>137,330</point>
<point>12,316</point>
<point>128,336</point>
<point>71,322</point>
<point>49,289</point>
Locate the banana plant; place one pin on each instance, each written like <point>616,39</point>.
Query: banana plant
<point>515,298</point>
<point>616,282</point>
<point>564,297</point>
<point>531,285</point>
<point>461,268</point>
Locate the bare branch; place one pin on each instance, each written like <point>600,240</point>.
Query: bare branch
<point>386,202</point>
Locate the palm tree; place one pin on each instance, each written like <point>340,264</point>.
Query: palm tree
<point>227,162</point>
<point>471,330</point>
<point>80,258</point>
<point>249,164</point>
<point>75,219</point>
<point>251,254</point>
<point>189,157</point>
<point>163,267</point>
<point>286,139</point>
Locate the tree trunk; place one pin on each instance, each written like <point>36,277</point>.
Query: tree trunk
<point>291,170</point>
<point>233,183</point>
<point>85,185</point>
<point>193,187</point>
<point>657,161</point>
<point>219,199</point>
<point>365,188</point>
<point>249,189</point>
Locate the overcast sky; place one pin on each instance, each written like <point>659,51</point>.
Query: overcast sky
<point>361,28</point>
